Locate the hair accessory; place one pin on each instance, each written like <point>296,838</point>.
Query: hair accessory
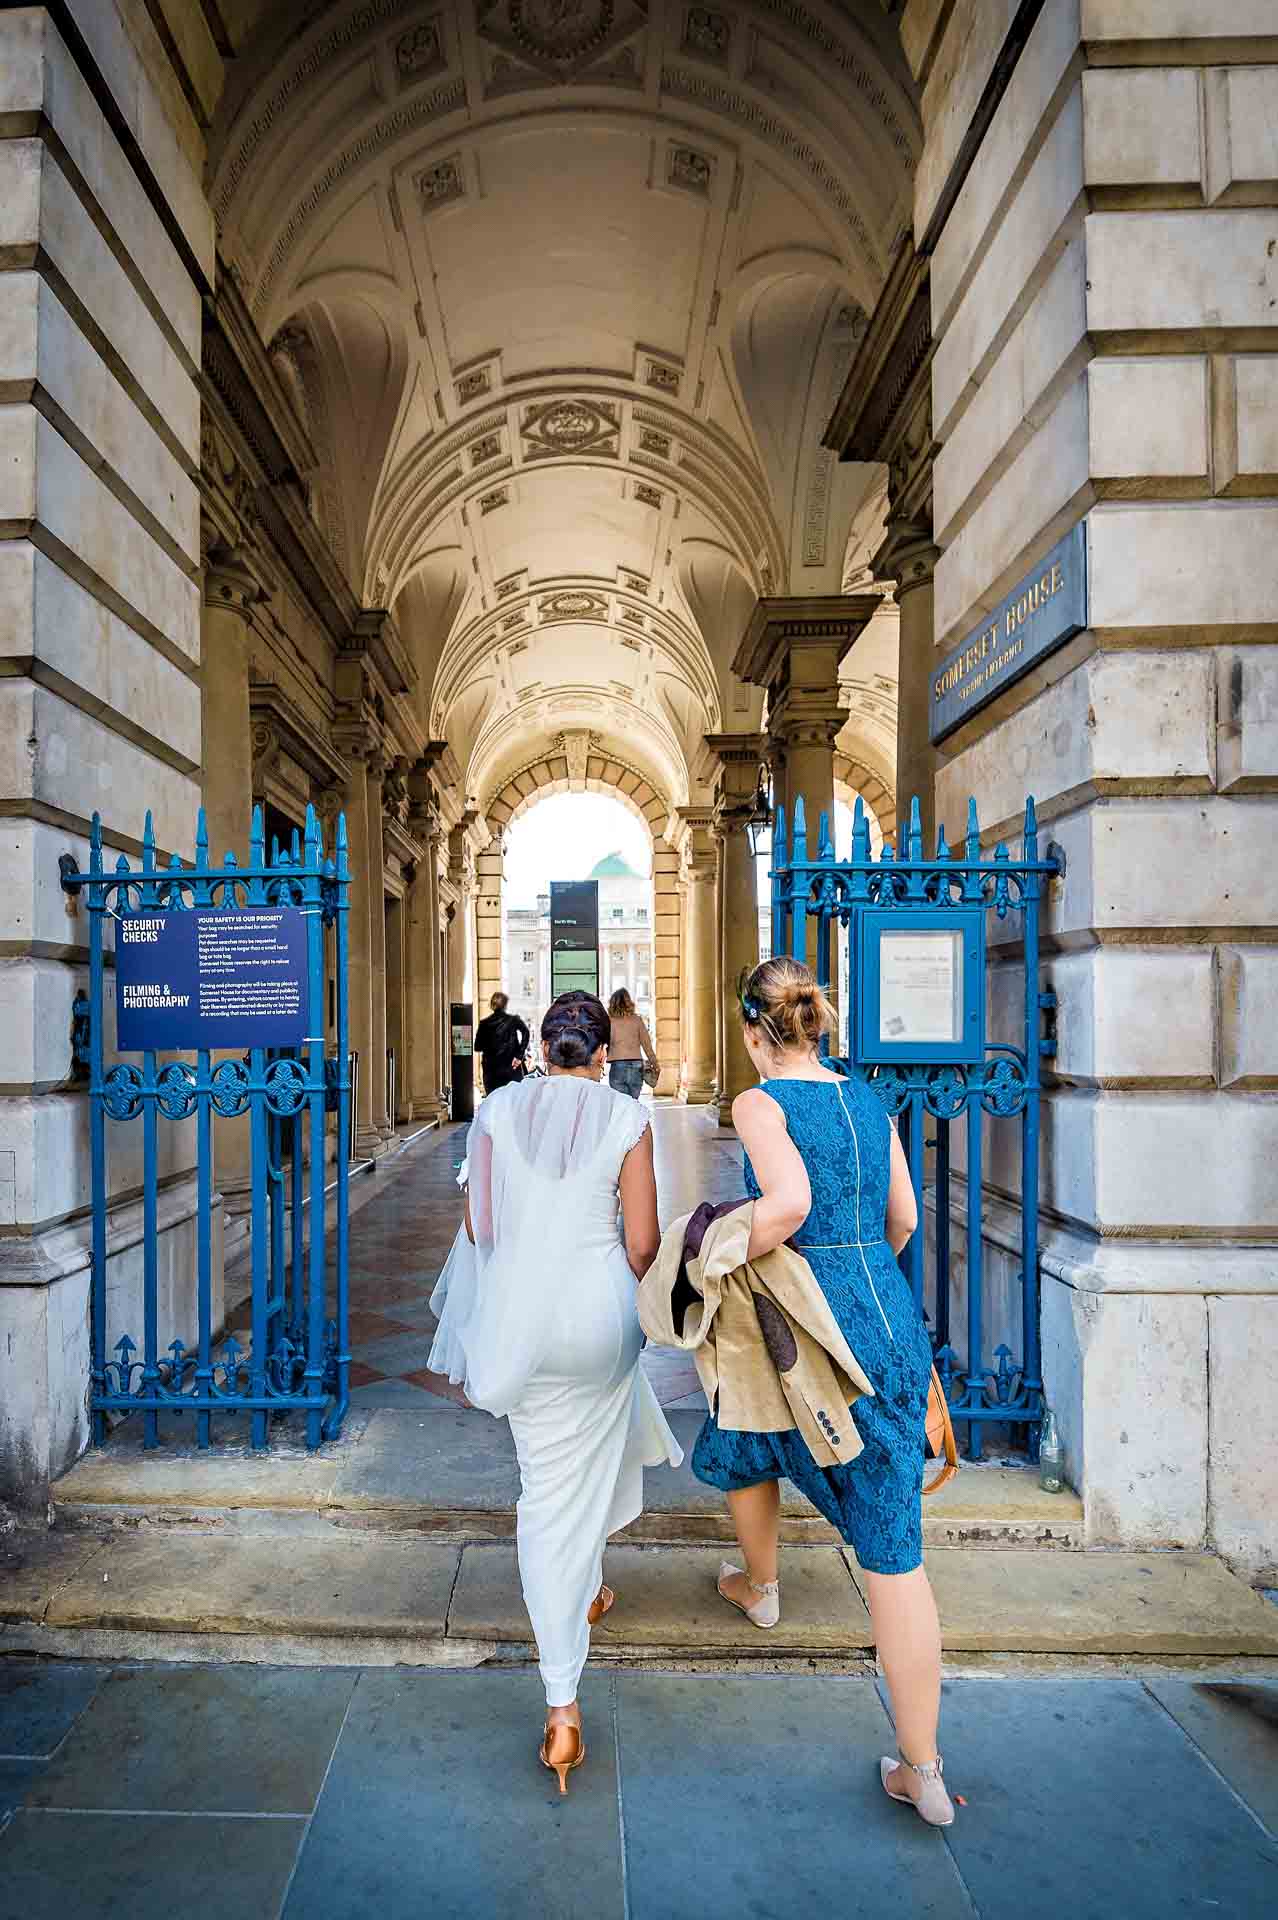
<point>751,1009</point>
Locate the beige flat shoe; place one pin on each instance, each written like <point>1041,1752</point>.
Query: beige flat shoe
<point>933,1804</point>
<point>766,1610</point>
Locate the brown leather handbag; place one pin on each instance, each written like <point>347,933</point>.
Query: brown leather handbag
<point>940,1435</point>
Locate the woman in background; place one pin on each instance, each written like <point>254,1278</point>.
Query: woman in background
<point>630,1045</point>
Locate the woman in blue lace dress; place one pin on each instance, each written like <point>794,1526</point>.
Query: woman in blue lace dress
<point>827,1173</point>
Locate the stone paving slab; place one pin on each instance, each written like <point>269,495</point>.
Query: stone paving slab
<point>1086,1800</point>
<point>204,1583</point>
<point>1235,1723</point>
<point>449,1459</point>
<point>39,1704</point>
<point>436,1804</point>
<point>103,1866</point>
<point>759,1795</point>
<point>189,1739</point>
<point>33,1565</point>
<point>1027,1600</point>
<point>666,1598</point>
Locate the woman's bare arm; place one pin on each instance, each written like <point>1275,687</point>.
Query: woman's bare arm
<point>902,1208</point>
<point>645,1041</point>
<point>638,1185</point>
<point>786,1198</point>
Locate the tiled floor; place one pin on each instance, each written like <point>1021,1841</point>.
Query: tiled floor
<point>294,1794</point>
<point>400,1240</point>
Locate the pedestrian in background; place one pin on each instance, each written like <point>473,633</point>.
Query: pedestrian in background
<point>501,1041</point>
<point>630,1046</point>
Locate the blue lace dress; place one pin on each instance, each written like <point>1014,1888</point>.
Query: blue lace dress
<point>842,1133</point>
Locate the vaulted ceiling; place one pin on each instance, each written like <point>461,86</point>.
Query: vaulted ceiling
<point>566,290</point>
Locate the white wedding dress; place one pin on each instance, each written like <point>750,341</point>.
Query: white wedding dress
<point>539,1323</point>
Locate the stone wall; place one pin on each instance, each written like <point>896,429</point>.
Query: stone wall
<point>100,339</point>
<point>1104,293</point>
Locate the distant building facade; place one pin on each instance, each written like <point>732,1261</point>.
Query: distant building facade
<point>625,944</point>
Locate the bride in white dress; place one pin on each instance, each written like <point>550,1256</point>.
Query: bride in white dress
<point>545,1331</point>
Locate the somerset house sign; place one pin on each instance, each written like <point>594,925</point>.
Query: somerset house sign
<point>1043,611</point>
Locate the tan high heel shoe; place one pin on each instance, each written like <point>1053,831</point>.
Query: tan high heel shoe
<point>600,1605</point>
<point>562,1749</point>
<point>933,1804</point>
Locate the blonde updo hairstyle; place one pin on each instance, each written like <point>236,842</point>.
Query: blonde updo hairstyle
<point>781,999</point>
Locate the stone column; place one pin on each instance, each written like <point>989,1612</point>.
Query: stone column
<point>367,1136</point>
<point>461,871</point>
<point>226,730</point>
<point>700,868</point>
<point>422,991</point>
<point>382,1121</point>
<point>489,954</point>
<point>666,940</point>
<point>226,736</point>
<point>909,558</point>
<point>739,756</point>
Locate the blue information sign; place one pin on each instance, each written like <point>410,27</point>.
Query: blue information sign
<point>221,978</point>
<point>1043,611</point>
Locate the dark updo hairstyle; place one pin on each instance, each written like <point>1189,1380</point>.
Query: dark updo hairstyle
<point>575,1027</point>
<point>621,1004</point>
<point>782,998</point>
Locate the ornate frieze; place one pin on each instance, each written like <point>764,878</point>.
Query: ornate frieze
<point>540,42</point>
<point>648,496</point>
<point>410,117</point>
<point>718,97</point>
<point>494,498</point>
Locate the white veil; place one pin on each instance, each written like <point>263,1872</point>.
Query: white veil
<point>532,1146</point>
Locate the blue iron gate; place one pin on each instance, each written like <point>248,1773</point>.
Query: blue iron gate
<point>953,1084</point>
<point>297,1356</point>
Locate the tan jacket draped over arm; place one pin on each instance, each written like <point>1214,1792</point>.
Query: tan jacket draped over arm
<point>762,1334</point>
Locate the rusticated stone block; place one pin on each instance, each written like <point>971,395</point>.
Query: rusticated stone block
<point>1150,274</point>
<point>1246,424</point>
<point>1249,1017</point>
<point>1142,127</point>
<point>1247,747</point>
<point>1147,425</point>
<point>1242,1516</point>
<point>1242,134</point>
<point>1127,1376</point>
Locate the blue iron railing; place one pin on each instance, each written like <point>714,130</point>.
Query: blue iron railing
<point>815,893</point>
<point>298,1355</point>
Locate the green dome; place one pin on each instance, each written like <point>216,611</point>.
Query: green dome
<point>613,867</point>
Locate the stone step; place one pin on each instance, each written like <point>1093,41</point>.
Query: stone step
<point>382,1599</point>
<point>455,1472</point>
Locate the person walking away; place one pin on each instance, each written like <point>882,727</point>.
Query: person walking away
<point>630,1046</point>
<point>828,1175</point>
<point>552,1339</point>
<point>501,1041</point>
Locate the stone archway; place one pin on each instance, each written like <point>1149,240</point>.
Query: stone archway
<point>578,763</point>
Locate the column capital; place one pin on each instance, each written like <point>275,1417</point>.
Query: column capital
<point>907,555</point>
<point>230,584</point>
<point>793,638</point>
<point>740,759</point>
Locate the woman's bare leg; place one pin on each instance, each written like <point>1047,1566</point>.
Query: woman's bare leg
<point>569,1716</point>
<point>756,1513</point>
<point>907,1634</point>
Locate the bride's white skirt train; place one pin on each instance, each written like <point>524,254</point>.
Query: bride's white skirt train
<point>582,1451</point>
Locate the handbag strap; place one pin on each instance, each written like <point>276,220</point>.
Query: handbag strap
<point>950,1464</point>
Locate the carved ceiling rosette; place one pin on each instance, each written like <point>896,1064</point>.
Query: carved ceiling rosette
<point>558,40</point>
<point>569,426</point>
<point>572,605</point>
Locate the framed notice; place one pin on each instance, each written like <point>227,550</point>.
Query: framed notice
<point>226,977</point>
<point>920,986</point>
<point>574,936</point>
